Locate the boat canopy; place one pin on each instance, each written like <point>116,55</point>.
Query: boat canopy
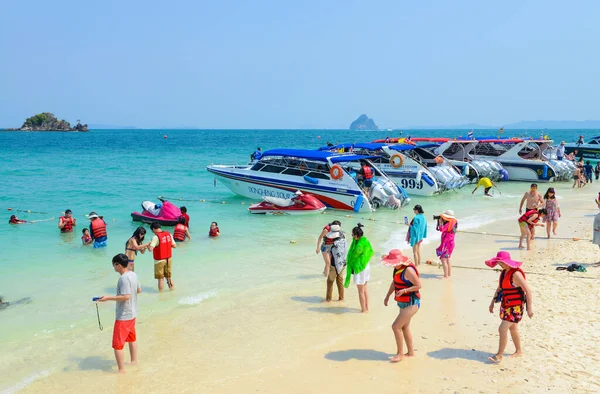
<point>317,155</point>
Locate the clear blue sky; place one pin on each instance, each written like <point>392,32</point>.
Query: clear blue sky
<point>287,64</point>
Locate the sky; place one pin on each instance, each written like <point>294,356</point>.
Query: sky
<point>301,64</point>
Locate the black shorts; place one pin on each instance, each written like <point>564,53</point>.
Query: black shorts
<point>487,190</point>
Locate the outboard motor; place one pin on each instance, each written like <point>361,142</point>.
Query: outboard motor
<point>385,193</point>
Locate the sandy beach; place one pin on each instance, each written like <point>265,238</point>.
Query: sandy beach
<point>289,341</point>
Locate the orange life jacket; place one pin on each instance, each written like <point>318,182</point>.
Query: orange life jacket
<point>367,172</point>
<point>179,232</point>
<point>527,215</point>
<point>68,225</point>
<point>163,250</point>
<point>98,228</point>
<point>511,294</point>
<point>401,283</point>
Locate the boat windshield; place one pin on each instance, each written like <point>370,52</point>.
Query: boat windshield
<point>292,166</point>
<point>530,151</point>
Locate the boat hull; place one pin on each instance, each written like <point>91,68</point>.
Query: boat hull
<point>528,172</point>
<point>242,182</point>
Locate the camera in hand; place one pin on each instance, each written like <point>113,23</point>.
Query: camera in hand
<point>436,217</point>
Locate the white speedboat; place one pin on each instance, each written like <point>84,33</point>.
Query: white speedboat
<point>330,177</point>
<point>522,159</point>
<point>459,153</point>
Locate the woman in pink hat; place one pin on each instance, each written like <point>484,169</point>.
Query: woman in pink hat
<point>405,286</point>
<point>447,225</point>
<point>513,294</point>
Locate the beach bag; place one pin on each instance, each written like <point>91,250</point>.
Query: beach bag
<point>338,254</point>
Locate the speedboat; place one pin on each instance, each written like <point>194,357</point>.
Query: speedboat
<point>164,213</point>
<point>459,153</point>
<point>298,205</point>
<point>588,150</point>
<point>405,168</point>
<point>522,159</point>
<point>330,177</point>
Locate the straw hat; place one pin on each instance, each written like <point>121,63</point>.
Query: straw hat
<point>448,214</point>
<point>504,257</point>
<point>395,258</point>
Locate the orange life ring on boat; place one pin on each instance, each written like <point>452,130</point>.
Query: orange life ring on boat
<point>439,159</point>
<point>396,160</point>
<point>336,172</point>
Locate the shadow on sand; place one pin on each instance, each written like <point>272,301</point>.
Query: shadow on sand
<point>358,354</point>
<point>95,363</point>
<point>430,276</point>
<point>315,276</point>
<point>465,354</point>
<point>336,310</point>
<point>307,299</point>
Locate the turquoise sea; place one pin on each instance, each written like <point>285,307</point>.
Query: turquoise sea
<point>112,172</point>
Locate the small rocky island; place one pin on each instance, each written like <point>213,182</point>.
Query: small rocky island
<point>363,123</point>
<point>46,121</point>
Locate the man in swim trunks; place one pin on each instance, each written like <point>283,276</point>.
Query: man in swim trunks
<point>128,288</point>
<point>534,201</point>
<point>487,185</point>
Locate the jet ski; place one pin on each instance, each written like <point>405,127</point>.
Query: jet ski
<point>301,204</point>
<point>164,213</point>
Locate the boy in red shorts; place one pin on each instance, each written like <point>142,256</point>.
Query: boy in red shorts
<point>128,288</point>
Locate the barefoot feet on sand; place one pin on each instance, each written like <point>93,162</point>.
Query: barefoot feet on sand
<point>495,359</point>
<point>396,358</point>
<point>516,354</point>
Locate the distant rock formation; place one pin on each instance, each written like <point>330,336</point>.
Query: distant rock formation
<point>46,121</point>
<point>363,123</point>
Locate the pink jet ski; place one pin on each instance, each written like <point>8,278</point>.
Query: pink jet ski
<point>300,204</point>
<point>164,213</point>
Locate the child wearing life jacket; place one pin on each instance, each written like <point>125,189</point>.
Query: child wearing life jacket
<point>181,231</point>
<point>405,287</point>
<point>214,230</point>
<point>86,238</point>
<point>514,294</point>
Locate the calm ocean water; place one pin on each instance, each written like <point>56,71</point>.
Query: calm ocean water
<point>112,172</point>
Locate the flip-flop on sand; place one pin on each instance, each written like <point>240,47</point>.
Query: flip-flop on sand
<point>494,359</point>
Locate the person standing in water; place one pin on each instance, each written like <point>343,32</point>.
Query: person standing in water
<point>128,289</point>
<point>86,238</point>
<point>534,201</point>
<point>67,222</point>
<point>417,232</point>
<point>185,215</point>
<point>405,286</point>
<point>514,294</point>
<point>359,254</point>
<point>181,231</point>
<point>487,185</point>
<point>214,231</point>
<point>161,246</point>
<point>447,225</point>
<point>98,230</point>
<point>134,245</point>
<point>553,209</point>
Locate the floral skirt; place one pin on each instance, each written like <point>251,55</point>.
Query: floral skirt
<point>512,314</point>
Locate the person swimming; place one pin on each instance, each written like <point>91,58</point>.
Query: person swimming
<point>86,238</point>
<point>15,220</point>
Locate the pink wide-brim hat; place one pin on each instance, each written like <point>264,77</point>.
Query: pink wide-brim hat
<point>504,257</point>
<point>395,258</point>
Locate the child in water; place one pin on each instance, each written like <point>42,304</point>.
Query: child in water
<point>86,238</point>
<point>214,230</point>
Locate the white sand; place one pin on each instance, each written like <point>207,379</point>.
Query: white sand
<point>289,342</point>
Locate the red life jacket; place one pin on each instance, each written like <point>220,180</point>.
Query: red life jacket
<point>187,219</point>
<point>163,250</point>
<point>213,232</point>
<point>68,225</point>
<point>98,228</point>
<point>400,283</point>
<point>367,172</point>
<point>511,294</point>
<point>179,233</point>
<point>527,215</point>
